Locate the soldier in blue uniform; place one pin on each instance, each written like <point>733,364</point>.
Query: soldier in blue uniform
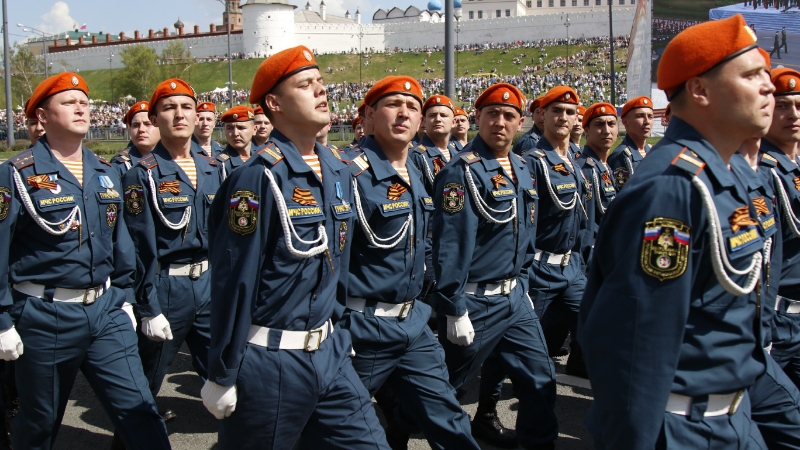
<point>557,279</point>
<point>483,246</point>
<point>239,129</point>
<point>204,129</point>
<point>637,117</point>
<point>600,123</point>
<point>394,347</point>
<point>778,167</point>
<point>144,137</point>
<point>67,268</point>
<point>460,129</point>
<point>435,149</point>
<point>531,138</point>
<point>168,195</point>
<point>280,244</point>
<point>354,149</point>
<point>669,326</point>
<point>263,128</point>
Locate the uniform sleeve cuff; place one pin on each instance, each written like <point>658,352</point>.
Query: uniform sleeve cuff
<point>5,321</point>
<point>224,377</point>
<point>456,306</point>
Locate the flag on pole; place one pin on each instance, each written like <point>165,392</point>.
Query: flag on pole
<point>83,27</point>
<point>75,26</point>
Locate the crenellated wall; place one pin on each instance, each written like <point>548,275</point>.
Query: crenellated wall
<point>332,38</point>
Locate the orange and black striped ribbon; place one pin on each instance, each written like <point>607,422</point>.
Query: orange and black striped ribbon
<point>561,168</point>
<point>396,190</point>
<point>303,197</point>
<point>761,206</point>
<point>606,178</point>
<point>438,165</point>
<point>41,182</point>
<point>498,180</point>
<point>173,187</point>
<point>797,183</point>
<point>741,218</point>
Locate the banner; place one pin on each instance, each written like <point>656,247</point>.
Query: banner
<point>639,53</point>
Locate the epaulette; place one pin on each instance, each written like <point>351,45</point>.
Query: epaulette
<point>222,157</point>
<point>121,157</point>
<point>536,153</point>
<point>22,160</point>
<point>359,165</point>
<point>518,158</point>
<point>103,161</point>
<point>420,149</point>
<point>590,162</point>
<point>470,157</point>
<point>212,161</point>
<point>768,160</point>
<point>689,162</point>
<point>271,153</point>
<point>148,162</point>
<point>335,152</point>
<point>333,147</point>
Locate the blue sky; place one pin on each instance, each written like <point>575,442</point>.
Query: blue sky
<point>113,16</point>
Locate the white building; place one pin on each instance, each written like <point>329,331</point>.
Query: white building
<point>269,26</point>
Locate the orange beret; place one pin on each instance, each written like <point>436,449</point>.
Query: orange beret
<point>700,48</point>
<point>239,113</point>
<point>786,81</point>
<point>501,94</point>
<point>362,109</point>
<point>279,67</point>
<point>459,112</point>
<point>135,109</point>
<point>438,100</point>
<point>206,107</point>
<point>356,122</point>
<point>597,110</point>
<point>581,110</point>
<point>65,81</point>
<point>169,88</point>
<point>766,57</point>
<point>258,110</point>
<point>561,94</point>
<point>638,102</point>
<point>535,104</point>
<point>395,84</point>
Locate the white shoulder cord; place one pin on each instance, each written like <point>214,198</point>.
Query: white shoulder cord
<point>187,213</point>
<point>767,251</point>
<point>288,226</point>
<point>483,206</point>
<point>45,225</point>
<point>719,256</point>
<point>127,165</point>
<point>428,172</point>
<point>629,164</point>
<point>559,204</point>
<point>371,237</point>
<point>785,205</point>
<point>597,199</point>
<point>224,172</point>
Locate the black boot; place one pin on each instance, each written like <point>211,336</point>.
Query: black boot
<point>169,415</point>
<point>116,442</point>
<point>11,400</point>
<point>575,364</point>
<point>396,437</point>
<point>487,426</point>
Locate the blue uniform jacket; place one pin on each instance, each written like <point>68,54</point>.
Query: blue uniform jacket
<point>257,278</point>
<point>773,158</point>
<point>457,144</point>
<point>230,160</point>
<point>155,242</point>
<point>624,160</point>
<point>654,318</point>
<point>390,275</point>
<point>598,196</point>
<point>216,149</point>
<point>528,141</point>
<point>468,247</point>
<point>126,158</point>
<point>763,198</point>
<point>87,255</point>
<point>429,160</point>
<point>556,229</point>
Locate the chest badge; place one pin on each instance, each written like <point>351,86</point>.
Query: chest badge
<point>561,168</point>
<point>665,248</point>
<point>44,182</point>
<point>5,202</point>
<point>303,197</point>
<point>111,215</point>
<point>396,190</point>
<point>243,215</point>
<point>342,236</point>
<point>173,187</point>
<point>498,180</point>
<point>741,219</point>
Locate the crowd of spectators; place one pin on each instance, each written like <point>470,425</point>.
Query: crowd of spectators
<point>665,29</point>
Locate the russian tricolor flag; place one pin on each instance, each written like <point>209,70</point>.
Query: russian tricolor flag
<point>651,233</point>
<point>681,237</point>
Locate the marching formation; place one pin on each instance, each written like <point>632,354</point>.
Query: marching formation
<point>308,280</point>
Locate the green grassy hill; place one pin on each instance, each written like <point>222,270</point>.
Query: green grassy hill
<point>687,9</point>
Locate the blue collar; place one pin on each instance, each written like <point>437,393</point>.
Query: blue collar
<point>685,135</point>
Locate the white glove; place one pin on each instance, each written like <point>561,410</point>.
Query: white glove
<point>128,308</point>
<point>219,400</point>
<point>10,344</point>
<point>459,330</point>
<point>157,328</point>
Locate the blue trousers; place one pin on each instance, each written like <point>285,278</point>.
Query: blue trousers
<point>405,356</point>
<point>316,397</point>
<point>508,327</point>
<point>62,338</point>
<point>775,406</point>
<point>786,343</point>
<point>186,304</point>
<point>556,292</point>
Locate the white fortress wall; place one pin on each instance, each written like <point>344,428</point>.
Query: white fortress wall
<point>339,37</point>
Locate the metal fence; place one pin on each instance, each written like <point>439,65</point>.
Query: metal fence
<point>337,133</point>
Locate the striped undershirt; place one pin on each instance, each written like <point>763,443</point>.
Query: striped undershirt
<point>313,161</point>
<point>75,168</point>
<point>642,152</point>
<point>506,165</point>
<point>446,152</point>
<point>188,167</point>
<point>566,160</point>
<point>403,172</point>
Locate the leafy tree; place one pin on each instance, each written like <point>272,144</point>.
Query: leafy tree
<point>25,69</point>
<point>139,76</point>
<point>176,61</point>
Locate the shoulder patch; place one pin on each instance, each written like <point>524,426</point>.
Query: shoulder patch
<point>590,162</point>
<point>121,157</point>
<point>689,162</point>
<point>148,162</point>
<point>517,158</point>
<point>470,157</point>
<point>222,157</point>
<point>359,165</point>
<point>453,197</point>
<point>335,152</point>
<point>665,248</point>
<point>23,160</point>
<point>103,161</point>
<point>420,149</point>
<point>211,160</point>
<point>271,153</point>
<point>768,160</point>
<point>536,153</point>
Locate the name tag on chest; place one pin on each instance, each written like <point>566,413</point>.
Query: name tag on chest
<point>744,239</point>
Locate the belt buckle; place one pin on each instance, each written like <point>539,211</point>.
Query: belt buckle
<point>737,400</point>
<point>505,287</point>
<point>405,310</point>
<point>565,259</point>
<point>309,340</point>
<point>195,274</point>
<point>89,299</point>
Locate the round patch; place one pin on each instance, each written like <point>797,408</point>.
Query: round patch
<point>663,262</point>
<point>644,101</point>
<point>203,106</point>
<point>407,86</point>
<point>438,100</point>
<point>307,55</point>
<point>505,96</point>
<point>173,86</point>
<point>792,83</point>
<point>242,222</point>
<point>602,109</point>
<point>74,81</point>
<point>235,116</point>
<point>567,96</point>
<point>141,106</point>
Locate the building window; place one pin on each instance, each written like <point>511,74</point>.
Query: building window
<point>563,3</point>
<point>550,3</point>
<point>497,14</point>
<point>508,13</point>
<point>597,2</point>
<point>528,4</point>
<point>621,2</point>
<point>480,14</point>
<point>585,2</point>
<point>538,3</point>
<point>574,2</point>
<point>472,15</point>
